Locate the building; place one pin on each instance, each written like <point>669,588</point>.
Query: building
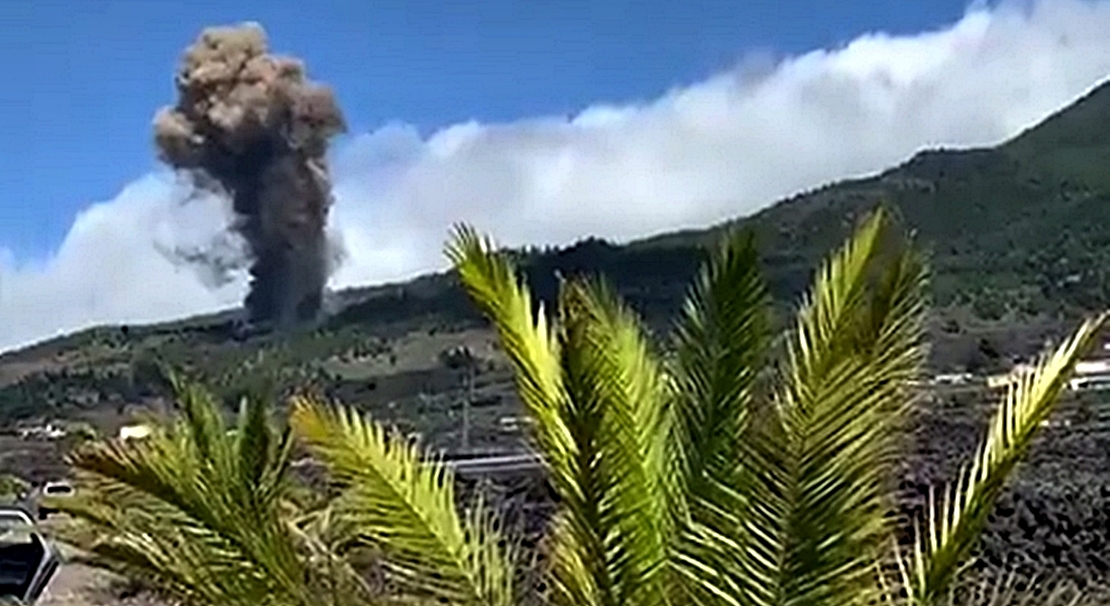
<point>1092,373</point>
<point>961,378</point>
<point>134,432</point>
<point>1002,381</point>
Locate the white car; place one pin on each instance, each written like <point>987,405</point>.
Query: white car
<point>27,561</point>
<point>53,490</point>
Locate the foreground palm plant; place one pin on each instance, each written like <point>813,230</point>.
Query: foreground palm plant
<point>724,471</point>
<point>204,512</point>
<point>212,515</point>
<point>722,475</point>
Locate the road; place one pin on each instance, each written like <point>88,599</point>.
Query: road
<point>496,465</point>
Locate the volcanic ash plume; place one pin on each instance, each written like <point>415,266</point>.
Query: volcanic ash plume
<point>251,126</point>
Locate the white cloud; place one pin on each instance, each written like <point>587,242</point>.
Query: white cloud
<point>108,267</point>
<point>721,148</point>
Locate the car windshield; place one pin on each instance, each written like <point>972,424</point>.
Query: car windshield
<point>20,554</point>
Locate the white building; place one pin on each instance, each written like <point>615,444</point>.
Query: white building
<point>134,432</point>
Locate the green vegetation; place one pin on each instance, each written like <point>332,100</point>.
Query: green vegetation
<point>730,468</point>
<point>12,487</point>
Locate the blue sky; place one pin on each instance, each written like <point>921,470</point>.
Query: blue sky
<point>538,122</point>
<point>85,76</point>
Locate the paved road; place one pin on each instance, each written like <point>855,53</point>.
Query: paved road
<point>499,464</point>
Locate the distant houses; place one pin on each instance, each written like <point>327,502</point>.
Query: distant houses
<point>1093,373</point>
<point>955,378</point>
<point>48,431</point>
<point>1090,374</point>
<point>1003,380</point>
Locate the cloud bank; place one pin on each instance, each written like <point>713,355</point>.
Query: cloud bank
<point>724,147</point>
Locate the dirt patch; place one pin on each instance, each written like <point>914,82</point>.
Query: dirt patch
<point>77,584</point>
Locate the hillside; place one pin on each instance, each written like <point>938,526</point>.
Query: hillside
<point>1019,233</point>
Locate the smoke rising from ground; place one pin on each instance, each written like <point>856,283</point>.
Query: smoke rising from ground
<point>252,127</point>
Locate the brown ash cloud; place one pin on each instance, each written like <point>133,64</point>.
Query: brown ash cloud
<point>252,127</point>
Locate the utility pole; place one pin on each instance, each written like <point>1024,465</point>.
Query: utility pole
<point>461,358</point>
<point>467,399</point>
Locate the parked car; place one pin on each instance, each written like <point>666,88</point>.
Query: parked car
<point>52,490</point>
<point>27,560</point>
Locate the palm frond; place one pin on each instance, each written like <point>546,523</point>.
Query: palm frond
<point>597,393</point>
<point>173,507</point>
<point>857,345</point>
<point>721,344</point>
<point>615,516</point>
<point>404,504</point>
<point>949,534</point>
<point>495,287</point>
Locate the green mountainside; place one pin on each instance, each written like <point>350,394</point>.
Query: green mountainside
<point>1019,236</point>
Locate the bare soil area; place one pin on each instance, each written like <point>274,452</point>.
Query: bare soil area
<point>78,584</point>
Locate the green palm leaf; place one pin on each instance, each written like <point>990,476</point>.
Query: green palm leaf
<point>954,525</point>
<point>174,507</point>
<point>528,339</point>
<point>404,505</point>
<point>598,394</point>
<point>858,343</point>
<point>721,347</point>
<point>617,512</point>
<point>719,475</point>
